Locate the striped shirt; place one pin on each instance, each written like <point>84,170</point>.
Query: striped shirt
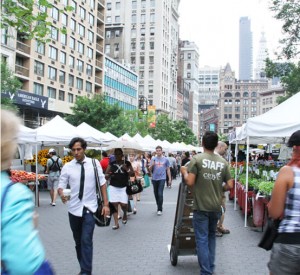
<point>291,220</point>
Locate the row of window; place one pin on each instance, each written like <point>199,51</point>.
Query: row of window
<point>121,104</point>
<point>142,59</point>
<point>237,101</point>
<point>115,67</point>
<point>108,81</point>
<point>238,109</point>
<point>142,18</point>
<point>52,93</point>
<point>142,45</point>
<point>143,4</point>
<point>142,31</point>
<point>238,94</point>
<point>73,4</point>
<point>268,100</point>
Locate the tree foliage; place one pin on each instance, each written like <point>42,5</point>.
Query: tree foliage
<point>172,131</point>
<point>96,112</point>
<point>28,17</point>
<point>9,83</point>
<point>288,11</point>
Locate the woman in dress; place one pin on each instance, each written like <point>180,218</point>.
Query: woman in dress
<point>118,172</point>
<point>285,205</point>
<point>137,168</point>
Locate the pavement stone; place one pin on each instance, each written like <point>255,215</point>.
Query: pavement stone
<point>141,246</point>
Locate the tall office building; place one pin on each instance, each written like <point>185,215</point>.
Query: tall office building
<point>143,33</point>
<point>53,74</point>
<point>262,54</point>
<point>245,49</point>
<point>189,54</point>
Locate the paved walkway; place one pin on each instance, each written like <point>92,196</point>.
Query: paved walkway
<point>141,246</point>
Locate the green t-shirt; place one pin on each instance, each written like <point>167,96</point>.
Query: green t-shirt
<point>211,171</point>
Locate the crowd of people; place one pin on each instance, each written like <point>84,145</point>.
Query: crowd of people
<point>207,174</point>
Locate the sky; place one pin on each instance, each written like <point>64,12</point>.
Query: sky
<point>214,26</point>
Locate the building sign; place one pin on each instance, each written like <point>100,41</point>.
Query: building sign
<point>151,116</point>
<point>212,127</point>
<point>27,99</point>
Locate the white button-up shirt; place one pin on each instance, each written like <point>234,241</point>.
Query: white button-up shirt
<point>70,174</point>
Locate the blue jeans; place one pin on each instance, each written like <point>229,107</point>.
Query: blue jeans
<point>158,188</point>
<point>205,225</point>
<point>83,230</point>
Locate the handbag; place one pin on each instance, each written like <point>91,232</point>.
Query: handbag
<point>134,187</point>
<point>146,181</point>
<point>100,219</point>
<point>270,234</point>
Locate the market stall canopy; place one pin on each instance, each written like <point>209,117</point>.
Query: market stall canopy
<point>128,147</point>
<point>56,131</point>
<point>26,135</point>
<point>281,121</point>
<point>111,136</point>
<point>93,135</point>
<point>125,137</point>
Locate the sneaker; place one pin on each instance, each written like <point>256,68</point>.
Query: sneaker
<point>159,213</point>
<point>53,204</point>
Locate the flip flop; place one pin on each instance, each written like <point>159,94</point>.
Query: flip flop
<point>223,230</point>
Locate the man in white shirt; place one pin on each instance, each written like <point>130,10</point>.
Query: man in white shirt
<point>79,174</point>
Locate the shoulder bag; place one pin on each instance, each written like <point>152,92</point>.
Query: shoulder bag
<point>100,219</point>
<point>134,187</point>
<point>270,234</point>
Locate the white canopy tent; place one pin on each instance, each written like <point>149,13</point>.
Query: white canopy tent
<point>274,126</point>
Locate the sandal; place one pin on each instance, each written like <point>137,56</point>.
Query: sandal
<point>115,227</point>
<point>219,234</point>
<point>124,221</point>
<point>223,230</point>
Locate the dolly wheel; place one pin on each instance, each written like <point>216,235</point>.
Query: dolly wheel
<point>173,255</point>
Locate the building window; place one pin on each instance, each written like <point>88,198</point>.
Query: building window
<point>133,46</point>
<point>117,33</point>
<point>74,6</point>
<point>143,4</point>
<point>151,75</point>
<point>152,31</point>
<point>80,47</point>
<point>91,19</point>
<point>117,19</point>
<point>62,77</point>
<point>51,73</point>
<point>38,89</point>
<point>142,60</point>
<point>79,83</point>
<point>89,70</point>
<point>52,53</point>
<point>142,31</point>
<point>118,5</point>
<point>91,36</point>
<point>188,75</point>
<point>72,43</point>
<point>143,18</point>
<point>90,53</point>
<point>73,25</point>
<point>70,98</point>
<point>4,35</point>
<point>65,2</point>
<point>88,87</point>
<point>63,38</point>
<point>108,6</point>
<point>54,33</point>
<point>79,65</point>
<point>51,92</point>
<point>82,12</point>
<point>92,4</point>
<point>142,46</point>
<point>152,17</point>
<point>71,80</point>
<point>246,94</point>
<point>61,95</point>
<point>133,18</point>
<point>107,49</point>
<point>132,60</point>
<point>134,4</point>
<point>108,34</point>
<point>151,45</point>
<point>116,47</point>
<point>81,30</point>
<point>38,68</point>
<point>151,59</point>
<point>133,33</point>
<point>71,62</point>
<point>40,47</point>
<point>189,55</point>
<point>54,13</point>
<point>188,66</point>
<point>64,19</point>
<point>152,3</point>
<point>63,57</point>
<point>108,20</point>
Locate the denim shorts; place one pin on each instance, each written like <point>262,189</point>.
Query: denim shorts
<point>285,259</point>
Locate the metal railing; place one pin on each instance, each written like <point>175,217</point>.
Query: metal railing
<point>22,70</point>
<point>98,80</point>
<point>99,47</point>
<point>23,47</point>
<point>100,31</point>
<point>100,15</point>
<point>99,63</point>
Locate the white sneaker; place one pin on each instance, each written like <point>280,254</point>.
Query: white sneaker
<point>159,213</point>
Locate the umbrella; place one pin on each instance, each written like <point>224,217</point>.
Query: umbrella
<point>128,147</point>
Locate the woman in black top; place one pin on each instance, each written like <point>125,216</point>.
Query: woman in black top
<point>118,172</point>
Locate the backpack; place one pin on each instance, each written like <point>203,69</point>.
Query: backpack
<point>55,165</point>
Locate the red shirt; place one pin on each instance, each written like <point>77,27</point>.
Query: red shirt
<point>104,163</point>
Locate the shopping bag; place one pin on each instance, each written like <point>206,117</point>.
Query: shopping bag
<point>146,181</point>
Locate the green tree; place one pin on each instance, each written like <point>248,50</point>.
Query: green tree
<point>9,84</point>
<point>96,112</point>
<point>28,17</point>
<point>289,13</point>
<point>172,131</point>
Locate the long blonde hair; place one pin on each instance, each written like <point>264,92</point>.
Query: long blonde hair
<point>10,124</point>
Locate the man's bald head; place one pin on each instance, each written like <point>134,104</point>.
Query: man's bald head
<point>221,148</point>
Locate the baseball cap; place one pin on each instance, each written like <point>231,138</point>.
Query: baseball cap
<point>294,139</point>
<point>52,150</point>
